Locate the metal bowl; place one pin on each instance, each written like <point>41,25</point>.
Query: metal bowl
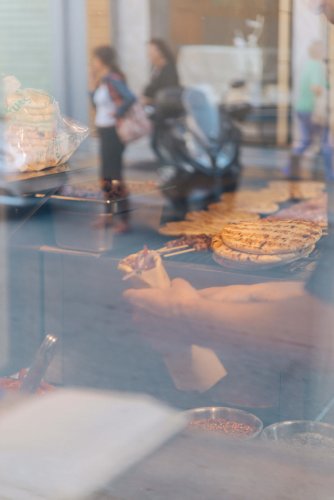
<point>228,422</point>
<point>301,433</point>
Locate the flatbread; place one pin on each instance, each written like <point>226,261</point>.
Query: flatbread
<point>314,210</point>
<point>227,216</point>
<point>202,215</point>
<point>258,202</point>
<point>271,237</point>
<point>238,260</point>
<point>298,190</point>
<point>275,195</point>
<point>182,228</point>
<point>219,210</point>
<point>222,250</point>
<point>204,222</point>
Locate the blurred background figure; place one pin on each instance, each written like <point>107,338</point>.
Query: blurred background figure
<point>164,77</point>
<point>164,72</point>
<point>311,106</point>
<point>111,98</point>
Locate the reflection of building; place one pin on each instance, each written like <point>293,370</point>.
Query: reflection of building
<point>25,41</point>
<point>47,43</point>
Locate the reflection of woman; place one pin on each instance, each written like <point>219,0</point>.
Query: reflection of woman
<point>164,73</point>
<point>312,92</point>
<point>112,99</point>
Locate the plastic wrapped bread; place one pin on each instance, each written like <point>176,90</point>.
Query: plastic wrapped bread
<point>37,136</point>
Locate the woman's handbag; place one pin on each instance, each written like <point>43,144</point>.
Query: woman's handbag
<point>134,124</point>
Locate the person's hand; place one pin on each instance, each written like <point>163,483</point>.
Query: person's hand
<point>162,315</point>
<point>262,292</point>
<point>183,316</point>
<point>172,302</point>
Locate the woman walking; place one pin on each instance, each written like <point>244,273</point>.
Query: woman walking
<point>112,99</point>
<point>311,105</point>
<point>164,72</point>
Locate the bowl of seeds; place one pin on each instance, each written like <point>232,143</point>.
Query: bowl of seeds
<point>229,423</point>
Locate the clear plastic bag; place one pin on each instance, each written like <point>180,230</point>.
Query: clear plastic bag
<point>36,135</point>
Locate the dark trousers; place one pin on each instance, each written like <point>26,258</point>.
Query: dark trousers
<point>309,131</point>
<point>111,154</point>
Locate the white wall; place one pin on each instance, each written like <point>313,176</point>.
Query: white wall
<point>69,57</point>
<point>133,34</point>
<point>25,41</point>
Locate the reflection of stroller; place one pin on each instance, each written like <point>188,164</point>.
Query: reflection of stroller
<point>197,144</point>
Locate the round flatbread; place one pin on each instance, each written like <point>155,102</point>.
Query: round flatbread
<point>176,228</point>
<point>204,222</point>
<point>201,215</point>
<point>251,264</point>
<point>257,202</point>
<point>314,210</point>
<point>217,215</point>
<point>221,250</point>
<point>275,195</point>
<point>271,237</point>
<point>219,210</point>
<point>298,190</point>
<point>224,255</point>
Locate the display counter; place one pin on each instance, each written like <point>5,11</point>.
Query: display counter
<point>64,279</point>
<point>77,291</point>
<point>206,467</point>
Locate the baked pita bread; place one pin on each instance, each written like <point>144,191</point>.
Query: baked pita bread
<point>204,222</point>
<point>271,237</point>
<point>250,265</point>
<point>296,190</point>
<point>223,251</point>
<point>258,202</point>
<point>314,210</point>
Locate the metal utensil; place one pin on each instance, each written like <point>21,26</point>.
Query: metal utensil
<point>41,362</point>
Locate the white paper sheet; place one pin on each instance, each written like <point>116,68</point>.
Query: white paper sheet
<point>70,443</point>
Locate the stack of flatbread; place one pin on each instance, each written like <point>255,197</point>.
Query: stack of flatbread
<point>265,243</point>
<point>247,205</point>
<point>205,222</point>
<point>266,201</point>
<point>314,210</point>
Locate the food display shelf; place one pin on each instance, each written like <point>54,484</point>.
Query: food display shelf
<point>21,185</point>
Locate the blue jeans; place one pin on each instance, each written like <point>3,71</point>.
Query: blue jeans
<point>308,131</point>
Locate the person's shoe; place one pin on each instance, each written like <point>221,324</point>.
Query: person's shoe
<point>121,228</point>
<point>294,169</point>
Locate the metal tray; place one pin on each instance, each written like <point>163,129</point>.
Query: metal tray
<point>78,221</point>
<point>21,184</point>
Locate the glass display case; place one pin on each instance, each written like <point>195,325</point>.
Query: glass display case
<point>193,265</point>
